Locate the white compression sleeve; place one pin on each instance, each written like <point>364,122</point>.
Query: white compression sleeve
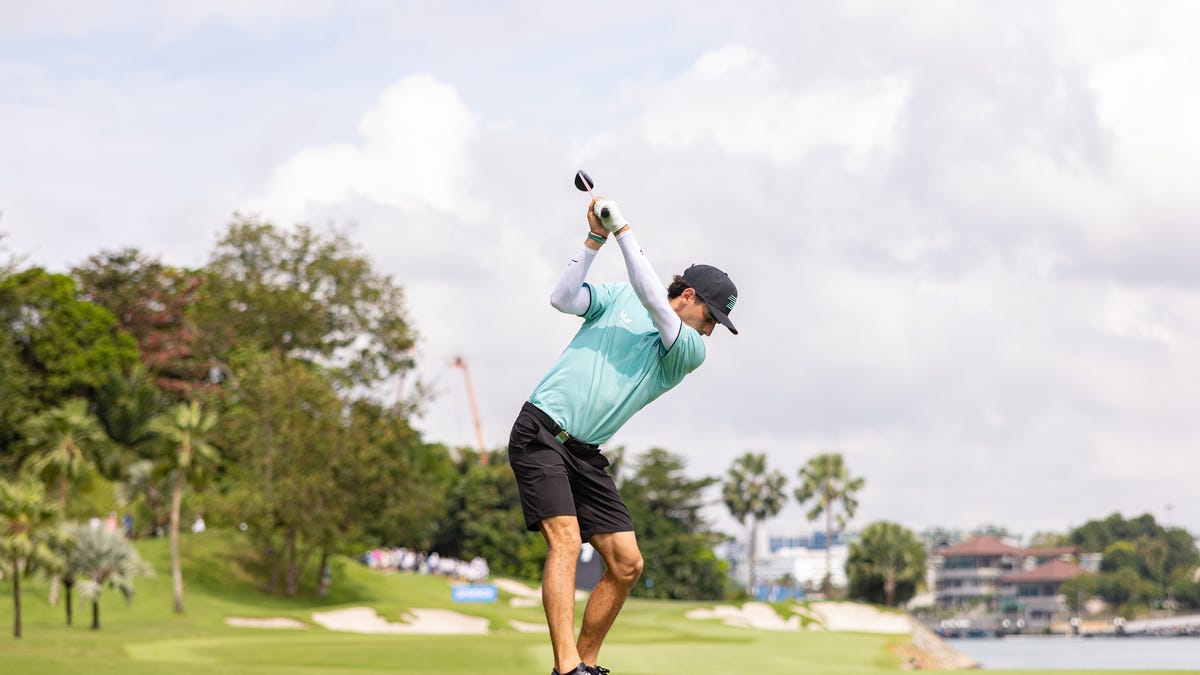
<point>649,289</point>
<point>569,294</point>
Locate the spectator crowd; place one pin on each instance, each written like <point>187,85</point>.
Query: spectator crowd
<point>404,559</point>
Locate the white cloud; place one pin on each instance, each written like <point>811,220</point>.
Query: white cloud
<point>733,98</point>
<point>411,155</point>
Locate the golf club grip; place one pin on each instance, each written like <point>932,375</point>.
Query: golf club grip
<point>604,212</point>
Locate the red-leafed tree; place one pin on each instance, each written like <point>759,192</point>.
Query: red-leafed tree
<point>152,303</point>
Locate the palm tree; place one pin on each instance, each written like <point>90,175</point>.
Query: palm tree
<point>143,480</point>
<point>28,534</point>
<point>67,444</point>
<point>103,557</point>
<point>827,479</point>
<point>187,456</point>
<point>886,557</point>
<point>124,406</point>
<point>751,492</point>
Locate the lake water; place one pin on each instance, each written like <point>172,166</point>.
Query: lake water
<point>1073,653</point>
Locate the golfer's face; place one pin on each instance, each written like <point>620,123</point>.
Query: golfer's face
<point>695,314</point>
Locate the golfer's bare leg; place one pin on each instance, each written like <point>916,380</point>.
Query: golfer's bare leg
<point>624,561</point>
<point>558,588</point>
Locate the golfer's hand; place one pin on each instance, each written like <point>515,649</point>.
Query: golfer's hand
<point>615,220</point>
<point>594,223</point>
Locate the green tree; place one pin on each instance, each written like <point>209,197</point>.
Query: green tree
<point>67,343</point>
<point>188,457</point>
<point>1078,589</point>
<point>826,480</point>
<point>1125,586</point>
<point>298,294</point>
<point>1152,551</point>
<point>1185,587</point>
<point>142,490</point>
<point>676,542</point>
<point>16,403</point>
<point>29,534</point>
<point>886,565</point>
<point>102,558</point>
<point>483,517</point>
<point>408,484</point>
<point>290,445</point>
<point>67,445</point>
<point>1141,547</point>
<point>1120,555</point>
<point>296,321</point>
<point>125,404</point>
<point>754,494</point>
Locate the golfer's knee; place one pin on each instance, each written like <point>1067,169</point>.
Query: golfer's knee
<point>628,569</point>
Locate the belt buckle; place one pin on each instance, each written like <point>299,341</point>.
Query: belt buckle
<point>562,436</point>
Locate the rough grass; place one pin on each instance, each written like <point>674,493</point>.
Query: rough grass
<point>145,637</point>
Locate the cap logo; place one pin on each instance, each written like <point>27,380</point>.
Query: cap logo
<point>731,303</point>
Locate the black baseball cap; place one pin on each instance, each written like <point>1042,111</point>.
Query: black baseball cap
<point>716,289</point>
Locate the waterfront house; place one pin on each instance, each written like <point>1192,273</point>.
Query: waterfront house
<point>1030,598</point>
<point>988,576</point>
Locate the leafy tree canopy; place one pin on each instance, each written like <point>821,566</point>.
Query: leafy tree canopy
<point>66,343</point>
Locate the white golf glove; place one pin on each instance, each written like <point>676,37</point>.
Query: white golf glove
<point>615,220</point>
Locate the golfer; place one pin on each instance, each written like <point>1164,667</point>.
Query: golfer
<point>637,341</point>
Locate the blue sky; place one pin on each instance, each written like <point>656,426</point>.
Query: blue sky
<point>964,232</point>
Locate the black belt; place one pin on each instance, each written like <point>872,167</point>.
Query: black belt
<point>558,432</point>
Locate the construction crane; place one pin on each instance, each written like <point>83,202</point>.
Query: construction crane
<point>461,363</point>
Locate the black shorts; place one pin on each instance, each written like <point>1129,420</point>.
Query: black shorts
<point>563,479</point>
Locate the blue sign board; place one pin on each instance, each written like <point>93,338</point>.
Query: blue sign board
<point>772,593</point>
<point>473,593</point>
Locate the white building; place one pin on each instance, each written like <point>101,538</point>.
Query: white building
<point>798,559</point>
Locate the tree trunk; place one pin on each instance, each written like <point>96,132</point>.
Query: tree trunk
<point>67,585</point>
<point>176,570</point>
<point>291,575</point>
<point>16,598</point>
<point>299,562</point>
<point>753,545</point>
<point>889,589</point>
<point>828,551</point>
<point>96,613</point>
<point>274,565</point>
<point>268,460</point>
<point>63,486</point>
<point>321,571</point>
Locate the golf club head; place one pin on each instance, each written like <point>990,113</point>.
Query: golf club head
<point>583,182</point>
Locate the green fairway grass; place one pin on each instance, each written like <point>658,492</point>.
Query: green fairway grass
<point>146,637</point>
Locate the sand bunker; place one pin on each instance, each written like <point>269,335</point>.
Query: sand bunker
<point>525,627</point>
<point>525,595</point>
<point>417,622</point>
<point>854,617</point>
<point>750,615</point>
<point>282,622</point>
<point>830,616</point>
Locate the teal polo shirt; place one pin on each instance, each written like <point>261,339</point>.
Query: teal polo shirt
<point>614,366</point>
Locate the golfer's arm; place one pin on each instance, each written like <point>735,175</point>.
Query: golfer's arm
<point>570,295</point>
<point>649,289</point>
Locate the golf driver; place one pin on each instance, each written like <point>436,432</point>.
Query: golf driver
<point>585,184</point>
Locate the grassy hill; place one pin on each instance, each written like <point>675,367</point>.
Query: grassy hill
<point>146,637</point>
